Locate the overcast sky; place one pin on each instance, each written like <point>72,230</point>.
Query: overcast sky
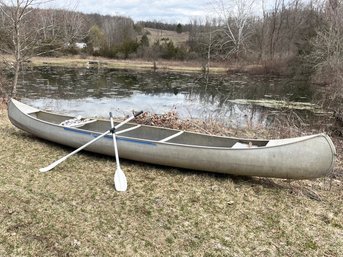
<point>172,11</point>
<point>169,11</point>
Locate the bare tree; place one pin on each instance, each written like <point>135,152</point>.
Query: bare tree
<point>328,42</point>
<point>234,17</point>
<point>16,14</point>
<point>30,30</point>
<point>284,30</point>
<point>328,50</point>
<point>118,30</point>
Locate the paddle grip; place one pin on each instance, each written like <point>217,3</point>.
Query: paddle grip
<point>110,114</point>
<point>138,113</point>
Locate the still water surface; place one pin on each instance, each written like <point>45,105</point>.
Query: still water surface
<point>95,92</point>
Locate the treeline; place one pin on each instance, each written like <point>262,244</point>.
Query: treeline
<point>285,31</point>
<point>293,36</point>
<point>111,36</point>
<point>39,31</point>
<point>284,35</point>
<point>119,37</point>
<point>298,38</point>
<point>164,26</point>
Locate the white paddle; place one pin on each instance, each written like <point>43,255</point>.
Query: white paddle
<point>54,164</point>
<point>120,182</point>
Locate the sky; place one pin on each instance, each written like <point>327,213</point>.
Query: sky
<point>171,11</point>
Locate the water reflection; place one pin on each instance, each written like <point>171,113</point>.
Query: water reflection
<point>95,92</point>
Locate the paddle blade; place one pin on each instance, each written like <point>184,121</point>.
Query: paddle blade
<point>52,165</point>
<point>120,182</point>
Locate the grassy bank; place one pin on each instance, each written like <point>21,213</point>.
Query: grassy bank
<point>137,64</point>
<point>74,210</point>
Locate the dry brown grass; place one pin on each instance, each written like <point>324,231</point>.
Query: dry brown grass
<point>134,64</point>
<point>158,34</point>
<point>74,210</point>
<point>141,64</point>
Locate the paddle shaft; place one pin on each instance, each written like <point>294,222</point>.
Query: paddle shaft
<point>115,143</point>
<point>54,164</point>
<point>120,182</point>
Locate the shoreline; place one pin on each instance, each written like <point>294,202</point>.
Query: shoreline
<point>138,64</point>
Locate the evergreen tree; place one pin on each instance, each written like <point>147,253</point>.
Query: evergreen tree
<point>145,40</point>
<point>179,28</point>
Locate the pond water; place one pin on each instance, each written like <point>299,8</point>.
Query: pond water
<point>96,92</point>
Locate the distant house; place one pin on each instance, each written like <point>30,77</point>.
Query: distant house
<point>80,45</point>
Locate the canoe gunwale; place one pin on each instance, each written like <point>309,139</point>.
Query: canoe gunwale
<point>334,153</point>
<point>299,139</point>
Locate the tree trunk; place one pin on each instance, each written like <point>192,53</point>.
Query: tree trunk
<point>17,49</point>
<point>15,79</point>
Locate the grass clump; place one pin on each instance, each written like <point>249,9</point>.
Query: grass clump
<point>75,211</point>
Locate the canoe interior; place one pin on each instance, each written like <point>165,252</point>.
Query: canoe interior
<point>153,133</point>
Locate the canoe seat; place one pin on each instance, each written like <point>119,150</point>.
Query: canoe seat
<point>243,145</point>
<point>76,122</point>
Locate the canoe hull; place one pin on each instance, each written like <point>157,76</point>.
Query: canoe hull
<point>311,157</point>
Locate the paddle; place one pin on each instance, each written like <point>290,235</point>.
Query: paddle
<point>120,182</point>
<point>54,164</point>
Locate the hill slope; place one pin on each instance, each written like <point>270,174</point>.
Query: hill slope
<point>157,34</point>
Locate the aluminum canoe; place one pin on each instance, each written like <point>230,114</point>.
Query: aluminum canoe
<point>304,157</point>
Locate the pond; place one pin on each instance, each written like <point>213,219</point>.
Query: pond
<point>237,99</point>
